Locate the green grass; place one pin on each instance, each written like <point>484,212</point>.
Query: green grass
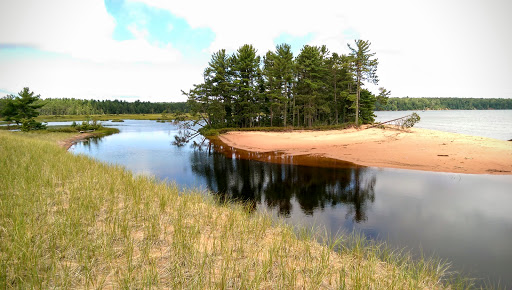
<point>67,221</point>
<point>101,131</point>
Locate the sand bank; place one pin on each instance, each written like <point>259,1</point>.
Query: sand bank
<point>66,144</point>
<point>417,149</point>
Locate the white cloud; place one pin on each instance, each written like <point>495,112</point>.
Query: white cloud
<point>67,77</point>
<point>89,63</point>
<point>426,48</point>
<point>82,29</point>
<point>433,48</point>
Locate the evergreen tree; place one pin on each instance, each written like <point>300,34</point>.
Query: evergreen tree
<point>8,108</point>
<point>246,70</point>
<point>271,84</point>
<point>367,107</point>
<point>310,82</point>
<point>218,83</point>
<point>22,109</point>
<point>314,88</point>
<point>278,72</point>
<point>364,67</point>
<point>284,67</point>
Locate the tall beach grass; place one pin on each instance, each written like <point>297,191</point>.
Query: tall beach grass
<point>68,221</point>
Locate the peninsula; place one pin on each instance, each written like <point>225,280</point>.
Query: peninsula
<point>416,149</point>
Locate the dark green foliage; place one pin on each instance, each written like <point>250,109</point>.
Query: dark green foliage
<point>316,88</point>
<point>212,100</point>
<point>8,108</point>
<point>311,86</point>
<point>366,107</point>
<point>279,79</point>
<point>31,124</point>
<point>246,71</point>
<point>405,104</point>
<point>22,109</point>
<point>89,125</point>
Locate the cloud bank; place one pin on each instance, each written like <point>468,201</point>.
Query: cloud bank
<point>153,49</point>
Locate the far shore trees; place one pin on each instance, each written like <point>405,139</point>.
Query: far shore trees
<point>314,88</point>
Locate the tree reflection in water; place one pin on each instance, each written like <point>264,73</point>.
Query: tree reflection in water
<point>277,182</point>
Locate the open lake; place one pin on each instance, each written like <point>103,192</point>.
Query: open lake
<point>495,124</point>
<point>463,218</point>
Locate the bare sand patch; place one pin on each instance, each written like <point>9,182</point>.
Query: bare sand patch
<point>417,149</point>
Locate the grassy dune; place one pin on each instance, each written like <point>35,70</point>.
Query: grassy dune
<point>68,221</point>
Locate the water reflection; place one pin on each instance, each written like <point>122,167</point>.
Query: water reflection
<point>460,217</point>
<point>276,183</point>
<point>93,141</point>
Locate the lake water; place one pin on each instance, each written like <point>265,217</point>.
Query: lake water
<point>495,124</point>
<point>463,218</point>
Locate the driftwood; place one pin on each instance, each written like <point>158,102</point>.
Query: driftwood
<point>401,119</point>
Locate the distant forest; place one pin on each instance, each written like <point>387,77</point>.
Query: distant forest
<point>67,106</point>
<point>406,104</point>
<point>93,107</point>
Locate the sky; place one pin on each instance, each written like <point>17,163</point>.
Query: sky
<point>151,50</point>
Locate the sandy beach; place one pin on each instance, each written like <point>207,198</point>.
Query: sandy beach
<point>416,149</point>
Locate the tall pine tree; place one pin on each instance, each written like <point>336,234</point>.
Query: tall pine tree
<point>364,67</point>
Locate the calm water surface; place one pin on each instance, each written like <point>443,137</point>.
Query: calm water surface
<point>463,218</point>
<point>489,123</point>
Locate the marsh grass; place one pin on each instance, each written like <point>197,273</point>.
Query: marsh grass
<point>67,221</point>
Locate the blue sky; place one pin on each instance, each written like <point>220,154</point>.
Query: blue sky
<point>153,49</point>
<point>161,26</point>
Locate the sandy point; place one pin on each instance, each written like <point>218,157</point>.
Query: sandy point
<point>417,149</point>
<point>66,144</point>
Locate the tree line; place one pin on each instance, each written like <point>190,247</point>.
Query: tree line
<point>405,104</point>
<point>316,87</point>
<point>66,106</point>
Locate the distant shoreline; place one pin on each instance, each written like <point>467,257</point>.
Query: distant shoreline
<point>415,149</point>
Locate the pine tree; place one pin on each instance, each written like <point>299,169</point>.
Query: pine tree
<point>284,67</point>
<point>364,67</point>
<point>22,109</point>
<point>245,65</point>
<point>310,87</point>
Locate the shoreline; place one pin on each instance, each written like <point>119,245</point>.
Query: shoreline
<point>413,149</point>
<point>67,143</point>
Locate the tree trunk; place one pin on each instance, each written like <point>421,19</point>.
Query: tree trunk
<point>285,111</point>
<point>357,95</point>
<point>293,112</point>
<point>271,115</point>
<point>298,117</point>
<point>335,101</point>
